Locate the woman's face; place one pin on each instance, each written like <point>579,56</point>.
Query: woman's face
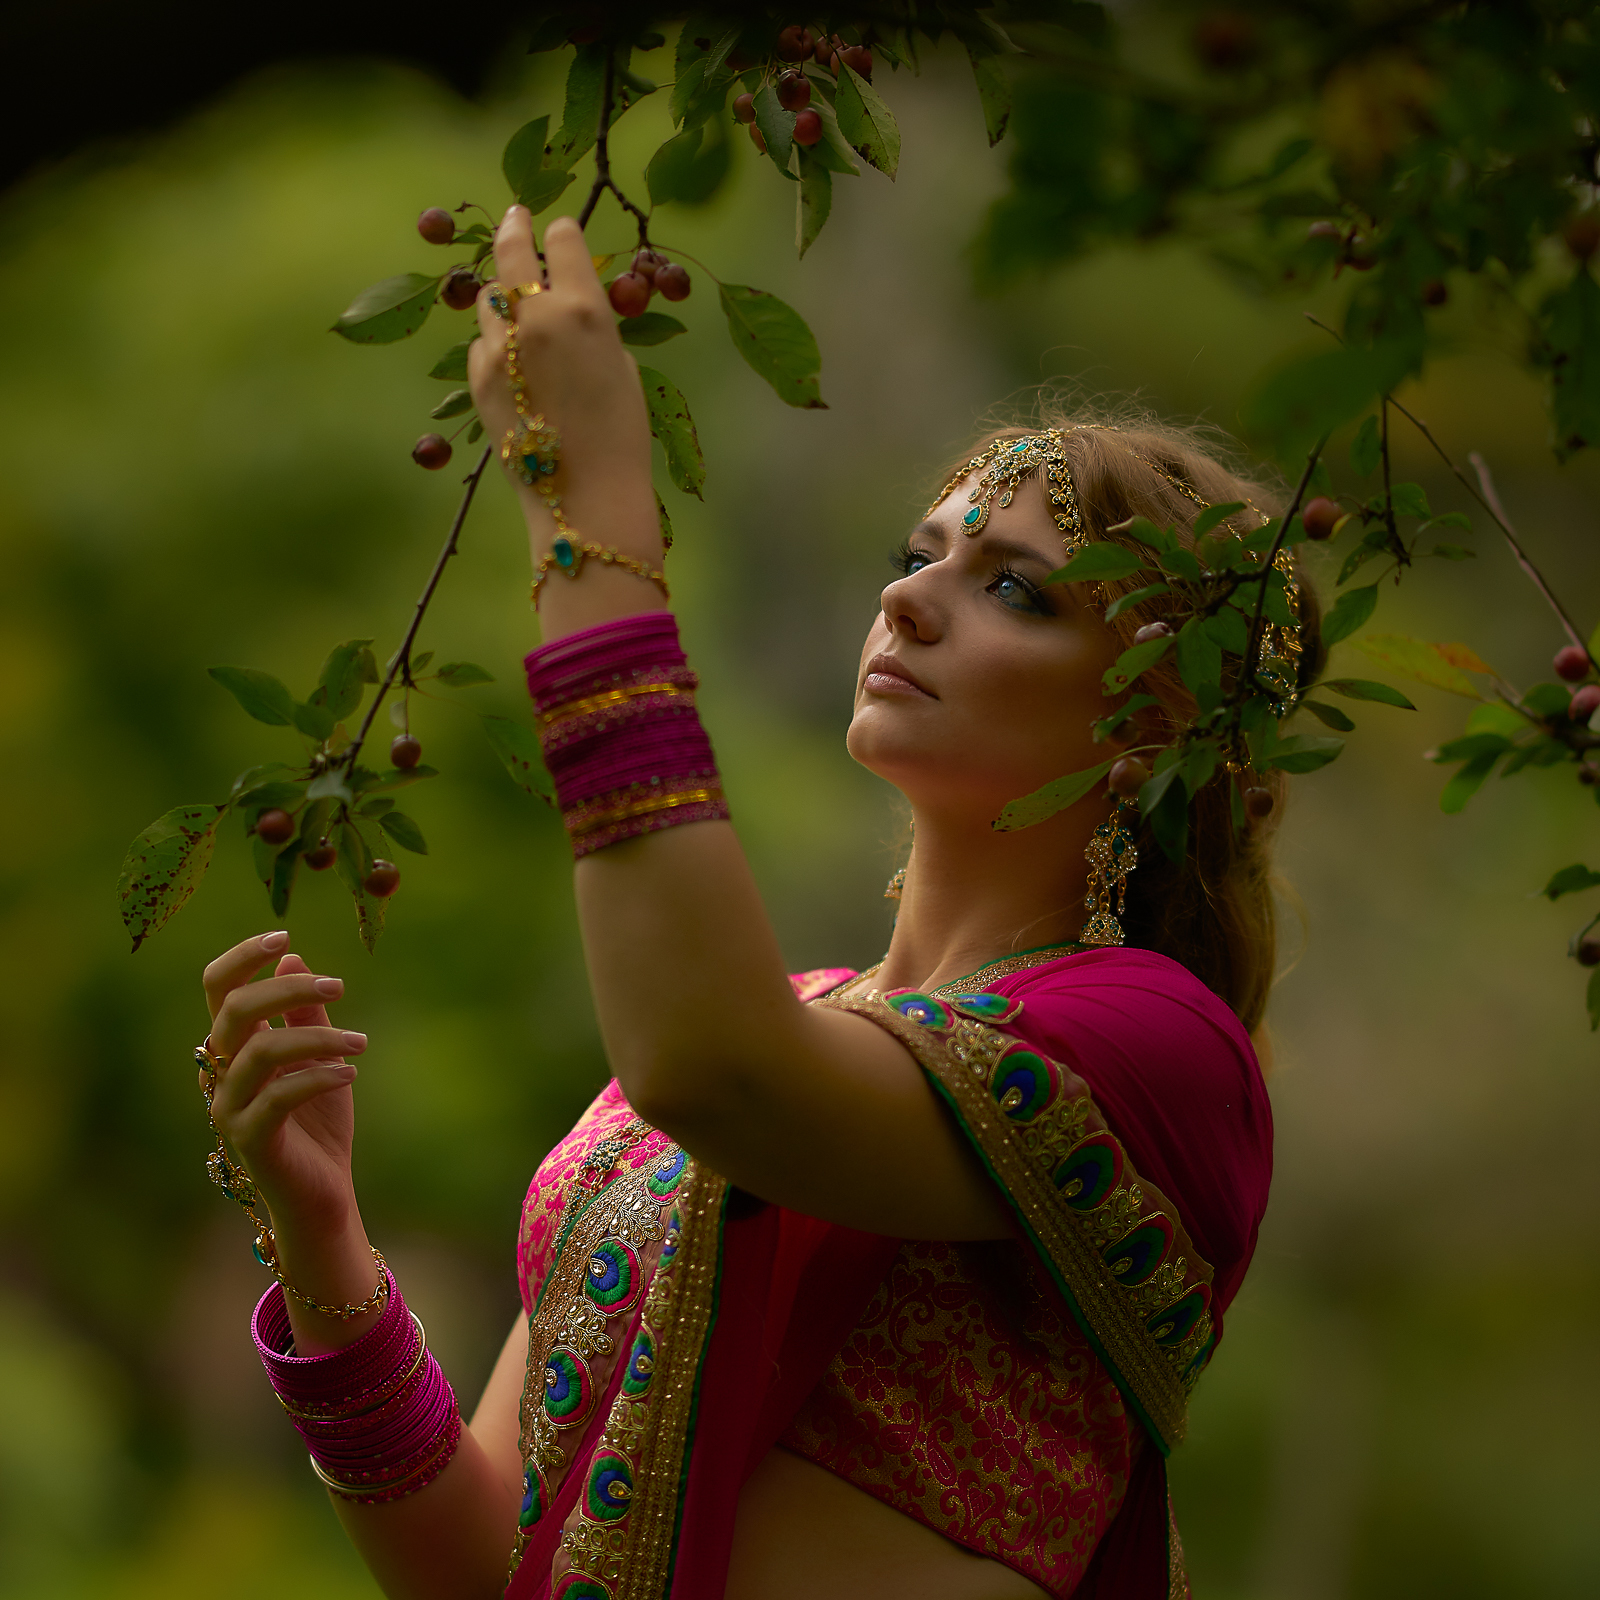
<point>977,686</point>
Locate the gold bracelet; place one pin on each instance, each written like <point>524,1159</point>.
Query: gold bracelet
<point>567,557</point>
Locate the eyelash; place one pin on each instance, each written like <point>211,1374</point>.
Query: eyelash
<point>903,555</point>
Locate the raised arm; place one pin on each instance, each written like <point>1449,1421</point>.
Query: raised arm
<point>816,1110</point>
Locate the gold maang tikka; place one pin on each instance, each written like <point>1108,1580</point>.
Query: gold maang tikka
<point>1003,466</point>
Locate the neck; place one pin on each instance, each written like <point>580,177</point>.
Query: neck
<point>973,896</point>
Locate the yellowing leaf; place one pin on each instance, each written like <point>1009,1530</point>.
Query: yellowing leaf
<point>1414,658</point>
<point>1459,655</point>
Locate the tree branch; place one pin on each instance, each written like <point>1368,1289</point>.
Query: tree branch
<point>602,159</point>
<point>400,664</point>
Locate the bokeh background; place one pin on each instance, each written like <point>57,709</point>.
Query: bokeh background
<point>194,472</point>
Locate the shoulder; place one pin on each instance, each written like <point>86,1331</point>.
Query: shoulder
<point>1173,1072</point>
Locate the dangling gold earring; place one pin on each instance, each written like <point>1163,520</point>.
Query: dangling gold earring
<point>897,883</point>
<point>1111,855</point>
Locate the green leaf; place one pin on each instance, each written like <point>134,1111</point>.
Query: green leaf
<point>671,423</point>
<point>376,808</point>
<point>404,831</point>
<point>475,432</point>
<point>523,158</point>
<point>832,150</point>
<point>1350,611</point>
<point>518,748</point>
<point>1107,726</point>
<point>1571,318</point>
<point>1044,803</point>
<point>580,118</point>
<point>1409,500</point>
<point>1466,783</point>
<point>262,695</point>
<point>1413,658</point>
<point>1494,717</point>
<point>353,864</point>
<point>1145,532</point>
<point>284,867</point>
<point>1470,746</point>
<point>1304,753</point>
<point>1212,515</point>
<point>775,125</point>
<point>1134,660</point>
<point>253,777</point>
<point>1098,563</point>
<point>1332,716</point>
<point>547,187</point>
<point>1181,563</point>
<point>394,778</point>
<point>453,404</point>
<point>1164,804</point>
<point>665,522</point>
<point>1307,397</point>
<point>418,662</point>
<point>1199,658</point>
<point>813,200</point>
<point>673,172</point>
<point>340,682</point>
<point>994,93</point>
<point>1366,449</point>
<point>459,674</point>
<point>164,866</point>
<point>314,721</point>
<point>452,365</point>
<point>330,785</point>
<point>1547,699</point>
<point>1230,629</point>
<point>652,327</point>
<point>776,342</point>
<point>1366,689</point>
<point>267,795</point>
<point>1453,552</point>
<point>866,122</point>
<point>1569,880</point>
<point>1134,598</point>
<point>1200,760</point>
<point>391,310</point>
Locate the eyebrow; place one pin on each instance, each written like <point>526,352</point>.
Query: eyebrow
<point>1005,548</point>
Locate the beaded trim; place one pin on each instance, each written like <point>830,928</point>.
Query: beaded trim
<point>685,685</point>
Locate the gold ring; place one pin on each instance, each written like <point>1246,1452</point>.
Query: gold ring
<point>526,291</point>
<point>503,301</point>
<point>204,1058</point>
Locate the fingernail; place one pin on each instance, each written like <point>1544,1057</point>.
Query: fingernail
<point>274,941</point>
<point>329,988</point>
<point>355,1042</point>
<point>346,1069</point>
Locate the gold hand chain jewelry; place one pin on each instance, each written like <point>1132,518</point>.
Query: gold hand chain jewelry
<point>532,450</point>
<point>238,1185</point>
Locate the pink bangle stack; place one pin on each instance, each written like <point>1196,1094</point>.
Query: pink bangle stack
<point>620,732</point>
<point>378,1416</point>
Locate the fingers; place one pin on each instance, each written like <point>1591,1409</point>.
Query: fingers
<point>273,1048</point>
<point>314,1015</point>
<point>234,966</point>
<point>245,1009</point>
<point>284,1094</point>
<point>515,259</point>
<point>567,259</point>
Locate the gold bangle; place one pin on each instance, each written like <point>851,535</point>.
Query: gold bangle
<point>354,1491</point>
<point>394,1389</point>
<point>567,556</point>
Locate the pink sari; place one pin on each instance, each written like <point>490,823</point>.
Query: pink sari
<point>679,1329</point>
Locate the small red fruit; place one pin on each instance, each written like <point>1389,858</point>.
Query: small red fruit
<point>585,35</point>
<point>647,263</point>
<point>436,225</point>
<point>1572,663</point>
<point>1152,630</point>
<point>432,451</point>
<point>1321,516</point>
<point>1434,292</point>
<point>405,751</point>
<point>672,281</point>
<point>1358,254</point>
<point>1589,952</point>
<point>320,857</point>
<point>275,826</point>
<point>630,294</point>
<point>1582,235</point>
<point>383,880</point>
<point>807,128</point>
<point>858,58</point>
<point>1585,703</point>
<point>1226,40</point>
<point>1128,777</point>
<point>1324,230</point>
<point>794,91</point>
<point>757,140</point>
<point>795,43</point>
<point>460,289</point>
<point>823,50</point>
<point>744,108</point>
<point>1258,804</point>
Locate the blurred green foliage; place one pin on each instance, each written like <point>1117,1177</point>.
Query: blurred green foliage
<point>1405,1403</point>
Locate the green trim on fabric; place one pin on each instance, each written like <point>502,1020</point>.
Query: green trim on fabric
<point>1129,1399</point>
<point>568,1228</point>
<point>694,1399</point>
<point>1073,947</point>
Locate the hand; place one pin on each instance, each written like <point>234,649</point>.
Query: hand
<point>579,374</point>
<point>283,1100</point>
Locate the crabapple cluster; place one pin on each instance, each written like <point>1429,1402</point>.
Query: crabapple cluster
<point>650,273</point>
<point>796,45</point>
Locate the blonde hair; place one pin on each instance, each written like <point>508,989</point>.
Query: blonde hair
<point>1214,911</point>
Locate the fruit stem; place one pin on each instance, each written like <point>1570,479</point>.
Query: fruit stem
<point>401,660</point>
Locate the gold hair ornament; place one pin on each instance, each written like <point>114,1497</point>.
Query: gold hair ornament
<point>1003,466</point>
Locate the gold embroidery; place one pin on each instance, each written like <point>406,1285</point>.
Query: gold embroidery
<point>596,1551</point>
<point>585,1330</point>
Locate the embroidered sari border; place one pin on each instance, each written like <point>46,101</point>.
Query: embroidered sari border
<point>1106,1310</point>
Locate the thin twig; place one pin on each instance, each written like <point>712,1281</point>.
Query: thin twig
<point>1397,546</point>
<point>602,161</point>
<point>401,662</point>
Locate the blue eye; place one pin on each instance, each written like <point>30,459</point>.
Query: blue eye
<point>1016,592</point>
<point>906,561</point>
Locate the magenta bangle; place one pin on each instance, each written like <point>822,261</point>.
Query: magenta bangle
<point>378,1416</point>
<point>620,732</point>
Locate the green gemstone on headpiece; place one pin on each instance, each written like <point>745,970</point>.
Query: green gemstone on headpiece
<point>972,517</point>
<point>1018,448</point>
<point>563,552</point>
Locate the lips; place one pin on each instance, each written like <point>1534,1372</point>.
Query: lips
<point>887,674</point>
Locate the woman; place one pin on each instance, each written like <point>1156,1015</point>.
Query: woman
<point>891,1283</point>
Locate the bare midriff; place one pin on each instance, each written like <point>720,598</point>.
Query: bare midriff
<point>801,1533</point>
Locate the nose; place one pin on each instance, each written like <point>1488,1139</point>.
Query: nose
<point>910,609</point>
